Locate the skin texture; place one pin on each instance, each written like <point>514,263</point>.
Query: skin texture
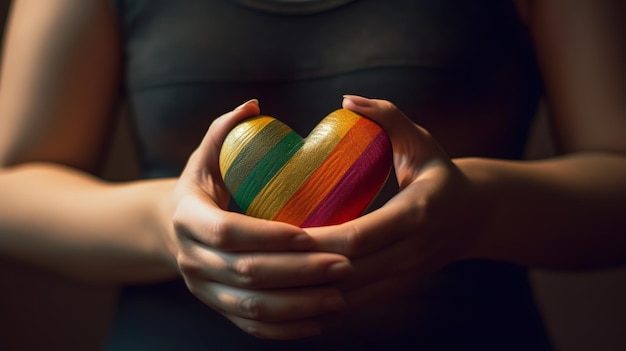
<point>271,279</point>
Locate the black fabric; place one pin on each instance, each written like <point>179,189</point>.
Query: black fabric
<point>458,68</point>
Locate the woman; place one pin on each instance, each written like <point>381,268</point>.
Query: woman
<point>437,267</point>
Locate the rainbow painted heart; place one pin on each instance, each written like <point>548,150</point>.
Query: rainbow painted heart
<point>329,177</point>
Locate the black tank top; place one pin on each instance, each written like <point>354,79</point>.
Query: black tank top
<point>452,66</point>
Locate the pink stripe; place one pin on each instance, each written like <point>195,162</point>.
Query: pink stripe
<point>357,187</point>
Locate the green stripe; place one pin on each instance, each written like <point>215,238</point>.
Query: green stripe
<point>253,152</point>
<point>266,168</point>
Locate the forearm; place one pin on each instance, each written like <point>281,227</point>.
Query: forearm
<point>77,225</point>
<point>567,212</point>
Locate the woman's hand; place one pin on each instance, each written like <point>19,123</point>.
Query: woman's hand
<point>255,272</point>
<point>431,222</point>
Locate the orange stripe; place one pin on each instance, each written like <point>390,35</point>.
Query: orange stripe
<point>329,173</point>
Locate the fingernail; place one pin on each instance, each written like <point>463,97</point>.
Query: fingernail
<point>333,303</point>
<point>339,270</point>
<point>358,100</point>
<point>301,242</point>
<point>247,102</point>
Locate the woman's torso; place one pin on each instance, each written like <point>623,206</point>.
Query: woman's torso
<point>463,70</point>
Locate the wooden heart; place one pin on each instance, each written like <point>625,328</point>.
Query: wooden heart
<point>329,177</point>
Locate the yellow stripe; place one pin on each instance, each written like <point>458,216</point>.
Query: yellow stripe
<point>238,138</point>
<point>318,145</point>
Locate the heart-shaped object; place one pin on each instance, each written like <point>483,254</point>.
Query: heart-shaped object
<point>329,177</point>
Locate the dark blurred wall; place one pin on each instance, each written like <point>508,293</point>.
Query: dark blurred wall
<point>4,9</point>
<point>4,5</point>
<point>583,311</point>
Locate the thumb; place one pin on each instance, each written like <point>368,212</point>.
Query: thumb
<point>214,138</point>
<point>203,164</point>
<point>207,153</point>
<point>413,147</point>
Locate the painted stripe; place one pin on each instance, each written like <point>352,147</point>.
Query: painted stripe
<point>319,144</point>
<point>238,137</point>
<point>316,188</point>
<point>266,168</point>
<point>261,143</point>
<point>353,194</point>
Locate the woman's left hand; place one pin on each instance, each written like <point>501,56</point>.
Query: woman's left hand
<point>431,222</point>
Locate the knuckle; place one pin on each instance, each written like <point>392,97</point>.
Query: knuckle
<point>203,222</point>
<point>245,269</point>
<point>388,106</point>
<point>219,233</point>
<point>215,236</point>
<point>181,219</point>
<point>214,230</point>
<point>251,307</point>
<point>353,242</point>
<point>187,265</point>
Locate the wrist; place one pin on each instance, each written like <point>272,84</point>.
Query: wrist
<point>161,215</point>
<point>481,207</point>
<point>157,244</point>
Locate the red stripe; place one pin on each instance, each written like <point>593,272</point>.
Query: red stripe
<point>357,188</point>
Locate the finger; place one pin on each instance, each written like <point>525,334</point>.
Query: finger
<point>369,233</point>
<point>202,168</point>
<point>379,265</point>
<point>219,129</point>
<point>392,288</point>
<point>395,123</point>
<point>197,220</point>
<point>279,331</point>
<point>270,306</point>
<point>413,147</point>
<point>413,255</point>
<point>380,291</point>
<point>265,270</point>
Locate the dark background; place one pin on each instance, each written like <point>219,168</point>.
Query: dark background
<point>41,311</point>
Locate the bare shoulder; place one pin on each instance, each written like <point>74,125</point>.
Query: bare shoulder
<point>60,71</point>
<point>581,48</point>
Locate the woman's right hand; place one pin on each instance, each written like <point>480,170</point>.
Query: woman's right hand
<point>255,272</point>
